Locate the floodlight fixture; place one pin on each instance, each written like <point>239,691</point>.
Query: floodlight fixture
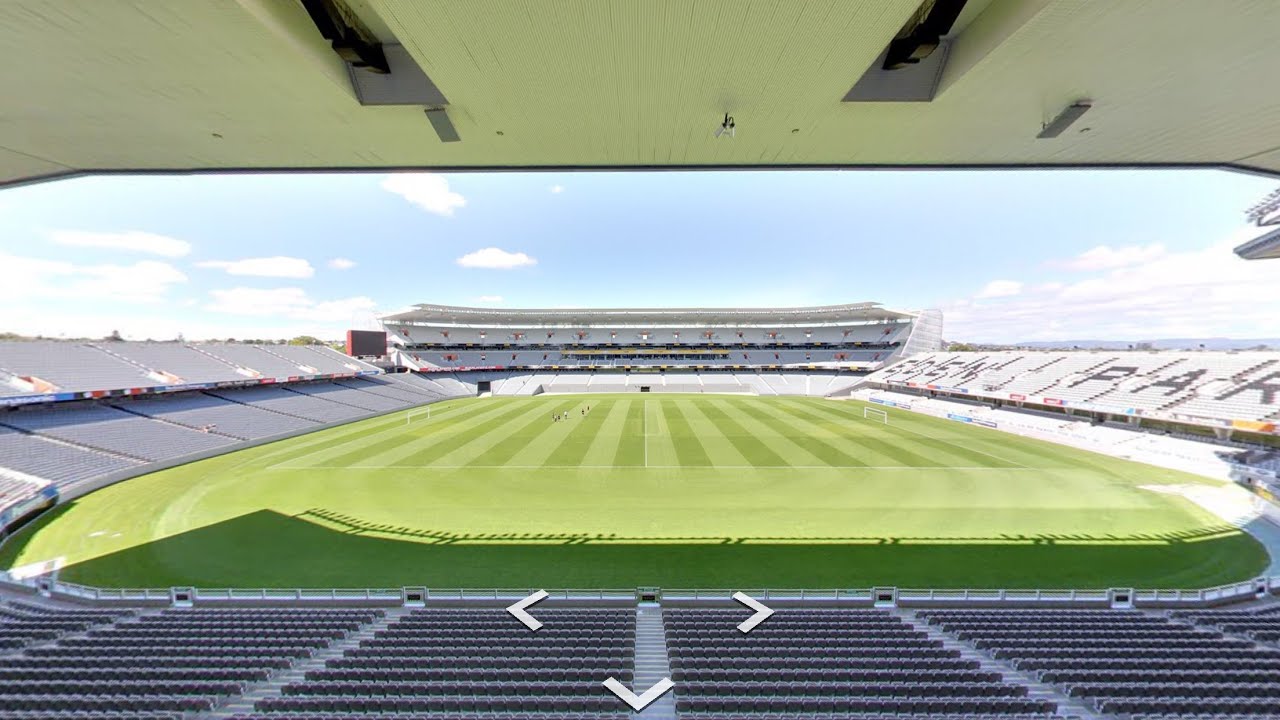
<point>726,126</point>
<point>1265,212</point>
<point>1065,119</point>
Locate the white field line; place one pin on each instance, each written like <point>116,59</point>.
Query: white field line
<point>962,447</point>
<point>395,427</point>
<point>644,430</point>
<point>930,468</point>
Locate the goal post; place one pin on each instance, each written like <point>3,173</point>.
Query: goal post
<point>417,413</point>
<point>874,414</point>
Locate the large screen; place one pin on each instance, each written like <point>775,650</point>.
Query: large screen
<point>366,343</point>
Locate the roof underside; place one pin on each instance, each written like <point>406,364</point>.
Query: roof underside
<point>643,317</point>
<point>251,84</point>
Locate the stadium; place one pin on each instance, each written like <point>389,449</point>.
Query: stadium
<point>676,509</point>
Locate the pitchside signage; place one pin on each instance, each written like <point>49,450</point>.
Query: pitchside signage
<point>161,389</point>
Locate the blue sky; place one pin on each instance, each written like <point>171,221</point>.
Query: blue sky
<point>1007,255</point>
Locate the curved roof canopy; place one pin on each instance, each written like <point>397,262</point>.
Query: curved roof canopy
<point>438,315</point>
<point>157,85</point>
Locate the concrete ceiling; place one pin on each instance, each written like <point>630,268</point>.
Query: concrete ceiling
<point>182,85</point>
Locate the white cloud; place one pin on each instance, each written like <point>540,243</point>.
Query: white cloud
<point>32,278</point>
<point>288,302</point>
<point>156,324</point>
<point>1199,293</point>
<point>341,263</point>
<point>277,266</point>
<point>1105,257</point>
<point>427,191</point>
<point>1000,288</point>
<point>489,299</point>
<point>557,189</point>
<point>132,241</point>
<point>495,259</point>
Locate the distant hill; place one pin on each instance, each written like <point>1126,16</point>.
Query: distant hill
<point>1164,344</point>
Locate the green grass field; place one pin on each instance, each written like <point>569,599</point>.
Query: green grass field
<point>674,491</point>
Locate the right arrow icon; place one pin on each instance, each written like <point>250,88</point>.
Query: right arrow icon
<point>639,702</point>
<point>762,611</point>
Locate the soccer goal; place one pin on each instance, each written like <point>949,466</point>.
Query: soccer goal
<point>874,414</point>
<point>418,413</point>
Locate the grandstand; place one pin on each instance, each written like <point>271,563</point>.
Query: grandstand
<point>978,660</point>
<point>853,337</point>
<point>1231,391</point>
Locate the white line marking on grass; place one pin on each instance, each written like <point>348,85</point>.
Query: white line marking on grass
<point>644,430</point>
<point>394,427</point>
<point>929,468</point>
<point>962,447</point>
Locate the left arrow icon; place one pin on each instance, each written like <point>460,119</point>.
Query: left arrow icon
<point>518,610</point>
<point>639,702</point>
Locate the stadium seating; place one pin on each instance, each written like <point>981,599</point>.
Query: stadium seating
<point>42,367</point>
<point>58,462</point>
<point>475,661</point>
<point>15,489</point>
<point>283,400</point>
<point>808,383</point>
<point>116,431</point>
<point>324,663</point>
<point>157,664</point>
<point>826,663</point>
<point>198,410</point>
<point>1206,386</point>
<point>336,393</point>
<point>67,367</point>
<point>1126,662</point>
<point>184,363</point>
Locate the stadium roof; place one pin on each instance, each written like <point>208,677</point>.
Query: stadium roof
<point>643,317</point>
<point>1266,247</point>
<point>253,84</point>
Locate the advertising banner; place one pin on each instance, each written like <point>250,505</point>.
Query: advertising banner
<point>1017,397</point>
<point>1053,401</point>
<point>959,418</point>
<point>984,423</point>
<point>1254,425</point>
<point>27,399</point>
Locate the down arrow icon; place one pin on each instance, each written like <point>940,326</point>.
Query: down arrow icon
<point>639,702</point>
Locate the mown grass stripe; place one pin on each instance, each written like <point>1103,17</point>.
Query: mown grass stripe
<point>536,454</point>
<point>631,443</point>
<point>950,451</point>
<point>447,444</point>
<point>876,452</point>
<point>891,443</point>
<point>752,447</point>
<point>349,450</point>
<point>610,438</point>
<point>537,432</point>
<point>719,449</point>
<point>476,449</point>
<point>689,450</point>
<point>282,451</point>
<point>573,447</point>
<point>776,435</point>
<point>800,431</point>
<point>659,444</point>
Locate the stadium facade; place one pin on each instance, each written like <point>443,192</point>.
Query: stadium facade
<point>856,337</point>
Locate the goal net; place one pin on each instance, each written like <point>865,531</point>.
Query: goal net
<point>874,414</point>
